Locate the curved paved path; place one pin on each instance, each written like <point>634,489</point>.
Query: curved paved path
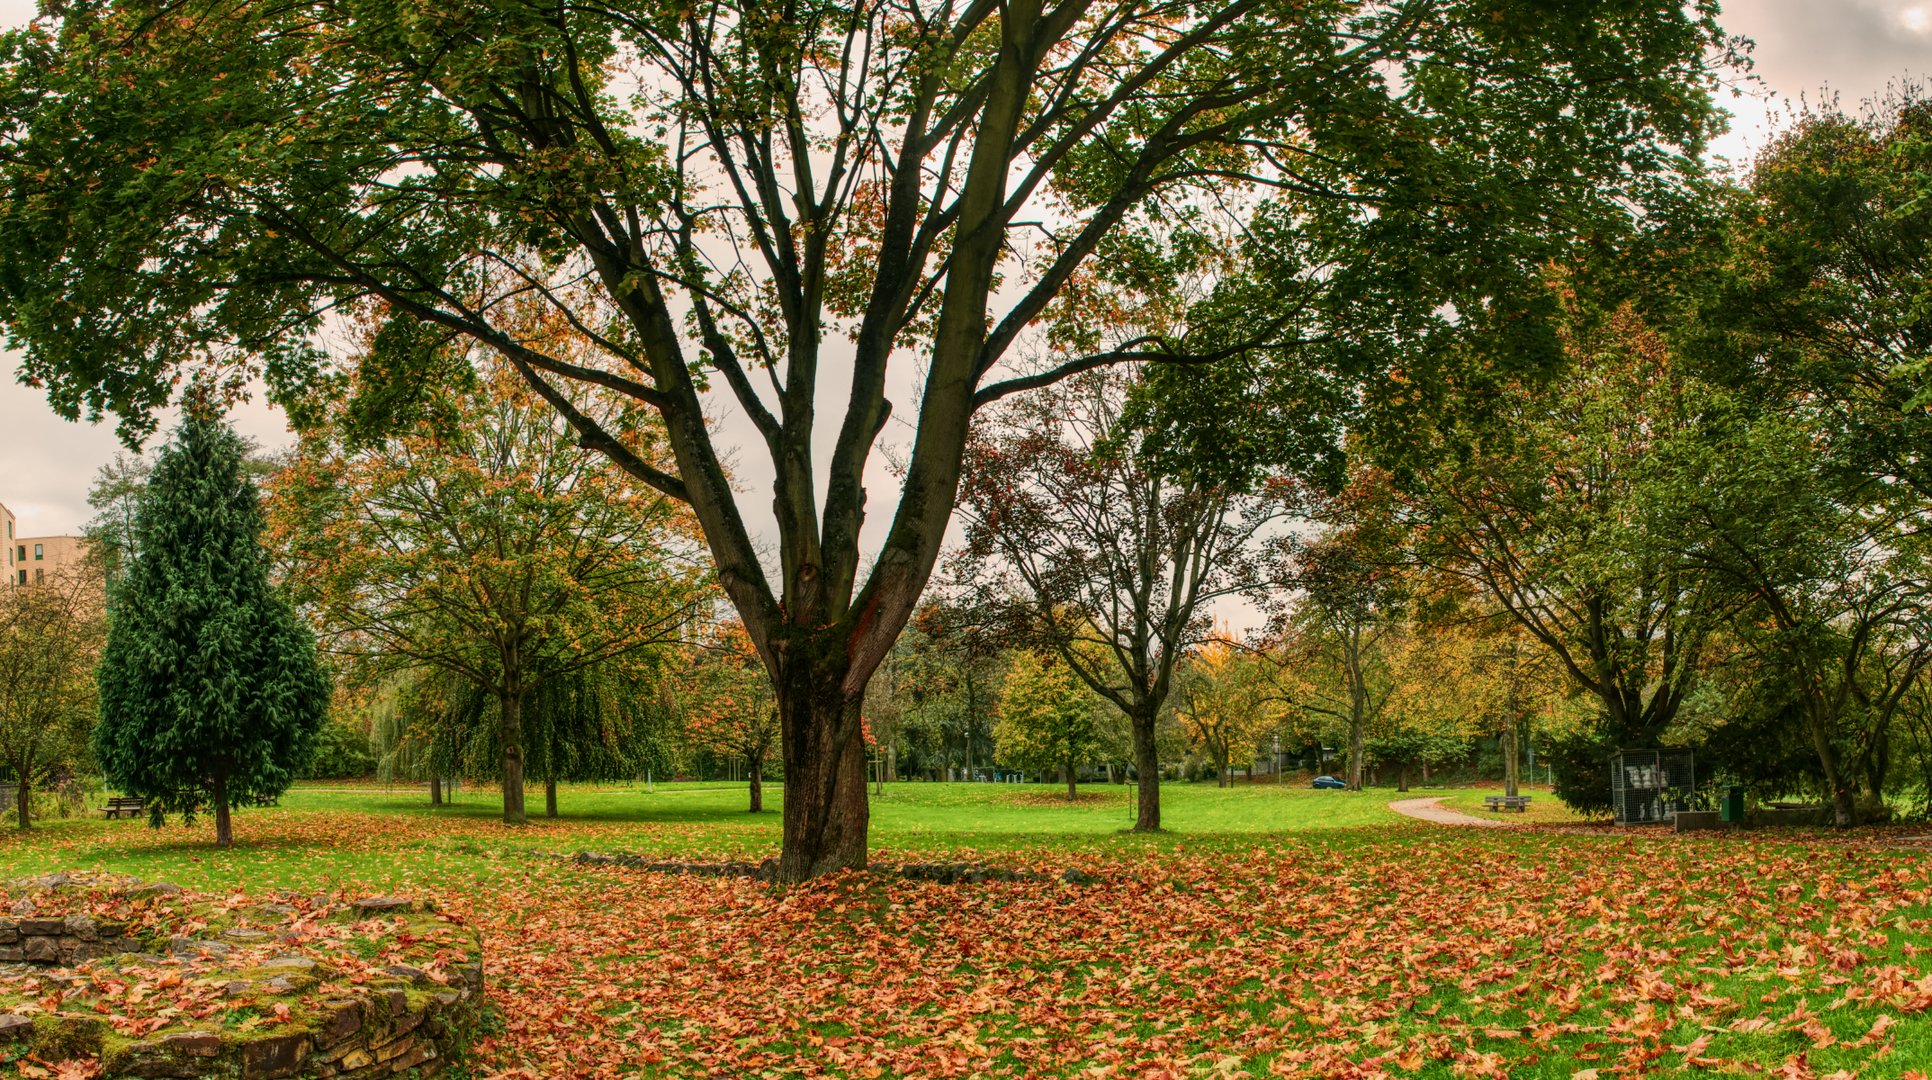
<point>1432,810</point>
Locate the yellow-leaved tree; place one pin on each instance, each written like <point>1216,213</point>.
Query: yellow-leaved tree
<point>1228,700</point>
<point>1046,717</point>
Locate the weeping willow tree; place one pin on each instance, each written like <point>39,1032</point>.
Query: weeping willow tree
<point>607,723</point>
<point>423,723</point>
<point>602,723</point>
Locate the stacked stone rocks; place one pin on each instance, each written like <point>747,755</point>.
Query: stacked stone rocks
<point>66,940</point>
<point>396,1020</point>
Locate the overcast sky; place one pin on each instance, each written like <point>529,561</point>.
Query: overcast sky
<point>1805,48</point>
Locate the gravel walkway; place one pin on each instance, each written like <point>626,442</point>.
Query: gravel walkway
<point>1431,809</point>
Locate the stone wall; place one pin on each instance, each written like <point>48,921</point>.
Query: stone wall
<point>65,940</point>
<point>393,1030</point>
<point>276,1002</point>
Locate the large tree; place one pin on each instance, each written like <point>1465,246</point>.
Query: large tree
<point>1338,634</point>
<point>1833,569</point>
<point>485,542</point>
<point>765,209</point>
<point>1098,553</point>
<point>50,639</point>
<point>1548,502</point>
<point>211,693</point>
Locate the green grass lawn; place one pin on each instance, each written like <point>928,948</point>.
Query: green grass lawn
<point>1270,931</point>
<point>1544,808</point>
<point>697,820</point>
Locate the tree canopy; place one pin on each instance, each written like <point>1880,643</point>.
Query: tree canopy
<point>912,208</point>
<point>485,542</point>
<point>211,693</point>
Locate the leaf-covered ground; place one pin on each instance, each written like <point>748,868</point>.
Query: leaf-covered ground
<point>1255,941</point>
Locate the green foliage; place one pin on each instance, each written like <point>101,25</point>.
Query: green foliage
<point>707,194</point>
<point>1818,279</point>
<point>1046,715</point>
<point>603,723</point>
<point>50,640</point>
<point>486,544</point>
<point>943,680</point>
<point>211,694</point>
<point>342,751</point>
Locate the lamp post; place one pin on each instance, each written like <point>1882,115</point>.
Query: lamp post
<point>1277,757</point>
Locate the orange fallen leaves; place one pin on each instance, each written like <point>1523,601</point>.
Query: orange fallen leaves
<point>1385,955</point>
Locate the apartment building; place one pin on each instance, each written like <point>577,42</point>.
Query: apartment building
<point>33,559</point>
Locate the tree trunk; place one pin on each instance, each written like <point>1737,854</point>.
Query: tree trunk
<point>510,706</point>
<point>23,798</point>
<point>550,797</point>
<point>1511,767</point>
<point>1073,780</point>
<point>1844,810</point>
<point>826,812</point>
<point>1402,777</point>
<point>1357,725</point>
<point>224,828</point>
<point>1147,762</point>
<point>755,768</point>
<point>435,791</point>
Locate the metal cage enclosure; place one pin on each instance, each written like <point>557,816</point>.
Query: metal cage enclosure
<point>1651,786</point>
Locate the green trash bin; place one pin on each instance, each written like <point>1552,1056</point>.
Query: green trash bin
<point>1732,806</point>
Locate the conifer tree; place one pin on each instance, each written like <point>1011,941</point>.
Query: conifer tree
<point>211,694</point>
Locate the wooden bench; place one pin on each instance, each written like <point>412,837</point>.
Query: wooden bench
<point>125,806</point>
<point>1518,803</point>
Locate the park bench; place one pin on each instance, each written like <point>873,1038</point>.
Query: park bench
<point>125,806</point>
<point>1518,803</point>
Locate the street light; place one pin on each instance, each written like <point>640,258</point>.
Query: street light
<point>1277,757</point>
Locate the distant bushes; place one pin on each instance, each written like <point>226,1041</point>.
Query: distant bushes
<point>342,752</point>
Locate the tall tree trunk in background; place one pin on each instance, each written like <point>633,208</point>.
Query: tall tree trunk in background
<point>1844,809</point>
<point>435,791</point>
<point>1073,780</point>
<point>550,797</point>
<point>1402,777</point>
<point>1147,762</point>
<point>510,706</point>
<point>1357,711</point>
<point>1511,766</point>
<point>1512,718</point>
<point>826,812</point>
<point>224,828</point>
<point>755,766</point>
<point>972,707</point>
<point>23,794</point>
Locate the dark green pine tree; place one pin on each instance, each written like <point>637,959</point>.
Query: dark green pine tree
<point>211,694</point>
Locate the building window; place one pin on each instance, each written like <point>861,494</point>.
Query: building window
<point>39,576</point>
<point>23,576</point>
<point>37,552</point>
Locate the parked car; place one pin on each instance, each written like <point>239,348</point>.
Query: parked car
<point>1328,783</point>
